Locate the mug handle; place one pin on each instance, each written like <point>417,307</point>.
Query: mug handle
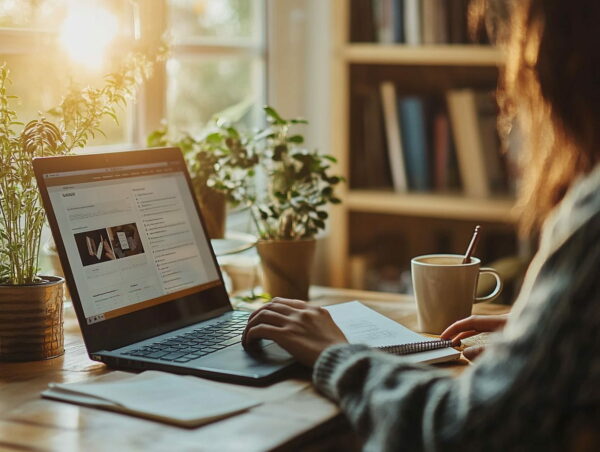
<point>496,290</point>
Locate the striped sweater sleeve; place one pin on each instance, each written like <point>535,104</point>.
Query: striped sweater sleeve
<point>524,392</point>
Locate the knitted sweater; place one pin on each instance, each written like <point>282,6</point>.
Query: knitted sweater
<point>532,386</point>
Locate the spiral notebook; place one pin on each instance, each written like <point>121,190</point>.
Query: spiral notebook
<point>363,325</point>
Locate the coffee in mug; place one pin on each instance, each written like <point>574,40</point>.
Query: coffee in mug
<point>445,289</point>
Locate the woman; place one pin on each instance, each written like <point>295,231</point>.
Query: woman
<point>537,387</point>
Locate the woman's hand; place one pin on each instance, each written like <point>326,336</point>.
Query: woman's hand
<point>302,330</point>
<point>471,326</point>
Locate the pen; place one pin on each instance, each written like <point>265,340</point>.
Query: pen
<point>472,245</point>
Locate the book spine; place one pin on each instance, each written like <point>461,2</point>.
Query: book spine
<point>376,163</point>
<point>393,135</point>
<point>398,20</point>
<point>466,131</point>
<point>362,22</point>
<point>441,21</point>
<point>441,149</point>
<point>414,142</point>
<point>428,21</point>
<point>412,22</point>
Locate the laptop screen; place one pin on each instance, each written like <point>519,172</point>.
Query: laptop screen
<point>132,236</point>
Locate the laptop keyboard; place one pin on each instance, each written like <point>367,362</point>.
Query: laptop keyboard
<point>196,343</point>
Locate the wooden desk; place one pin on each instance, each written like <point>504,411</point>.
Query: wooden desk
<point>293,413</point>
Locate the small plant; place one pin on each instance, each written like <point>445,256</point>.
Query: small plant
<point>299,184</point>
<point>222,159</point>
<point>75,121</point>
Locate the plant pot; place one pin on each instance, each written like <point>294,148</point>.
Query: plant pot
<point>54,264</point>
<point>286,266</point>
<point>214,208</point>
<point>31,320</point>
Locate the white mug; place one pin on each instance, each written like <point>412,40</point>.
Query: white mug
<point>445,289</point>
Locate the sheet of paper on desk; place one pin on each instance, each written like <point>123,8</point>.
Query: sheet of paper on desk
<point>363,325</point>
<point>180,400</point>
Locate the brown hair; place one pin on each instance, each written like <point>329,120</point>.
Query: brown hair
<point>551,82</point>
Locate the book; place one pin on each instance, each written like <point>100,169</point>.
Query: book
<point>414,142</point>
<point>412,22</point>
<point>490,142</point>
<point>393,135</point>
<point>382,13</point>
<point>185,401</point>
<point>91,246</point>
<point>362,325</point>
<point>441,22</point>
<point>398,20</point>
<point>442,149</point>
<point>457,21</point>
<point>362,22</point>
<point>376,162</point>
<point>474,173</point>
<point>428,21</point>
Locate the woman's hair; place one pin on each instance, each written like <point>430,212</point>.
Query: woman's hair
<point>551,83</point>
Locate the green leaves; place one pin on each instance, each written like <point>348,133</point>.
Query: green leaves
<point>299,183</point>
<point>273,116</point>
<point>77,118</point>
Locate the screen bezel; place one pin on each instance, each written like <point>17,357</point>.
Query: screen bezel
<point>145,323</point>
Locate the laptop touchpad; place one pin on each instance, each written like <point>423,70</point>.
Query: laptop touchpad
<point>236,358</point>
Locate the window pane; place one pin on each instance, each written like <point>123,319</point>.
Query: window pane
<point>214,18</point>
<point>31,13</point>
<point>49,15</point>
<point>63,42</point>
<point>40,81</point>
<point>200,87</point>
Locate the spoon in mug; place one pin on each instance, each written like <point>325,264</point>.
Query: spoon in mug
<point>472,245</point>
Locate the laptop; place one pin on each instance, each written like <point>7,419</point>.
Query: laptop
<point>142,274</point>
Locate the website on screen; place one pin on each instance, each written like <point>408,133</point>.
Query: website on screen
<point>132,237</point>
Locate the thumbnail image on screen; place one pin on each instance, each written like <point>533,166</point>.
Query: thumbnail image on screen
<point>125,240</point>
<point>94,247</point>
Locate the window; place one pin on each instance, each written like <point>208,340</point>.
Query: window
<point>216,65</point>
<point>47,44</point>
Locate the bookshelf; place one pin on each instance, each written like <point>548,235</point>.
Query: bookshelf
<point>420,69</point>
<point>429,205</point>
<point>425,55</point>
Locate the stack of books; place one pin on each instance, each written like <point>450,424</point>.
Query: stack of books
<point>412,22</point>
<point>427,143</point>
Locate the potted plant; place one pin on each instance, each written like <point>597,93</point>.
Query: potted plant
<point>31,325</point>
<point>292,209</point>
<point>220,163</point>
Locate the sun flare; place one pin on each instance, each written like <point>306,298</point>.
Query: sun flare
<point>87,31</point>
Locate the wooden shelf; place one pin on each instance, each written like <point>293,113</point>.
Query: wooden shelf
<point>417,70</point>
<point>432,205</point>
<point>436,55</point>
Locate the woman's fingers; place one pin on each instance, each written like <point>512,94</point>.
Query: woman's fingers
<point>478,323</point>
<point>265,317</point>
<point>472,352</point>
<point>263,331</point>
<point>285,302</point>
<point>465,334</point>
<point>458,327</point>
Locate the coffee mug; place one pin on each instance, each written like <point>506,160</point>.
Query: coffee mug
<point>445,289</point>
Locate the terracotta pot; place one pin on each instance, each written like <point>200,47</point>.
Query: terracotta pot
<point>286,266</point>
<point>214,209</point>
<point>31,320</point>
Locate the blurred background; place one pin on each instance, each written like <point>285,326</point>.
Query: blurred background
<point>382,83</point>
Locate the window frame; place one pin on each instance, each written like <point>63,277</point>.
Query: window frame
<point>149,108</point>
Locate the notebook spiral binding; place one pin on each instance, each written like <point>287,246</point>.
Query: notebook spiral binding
<point>416,347</point>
